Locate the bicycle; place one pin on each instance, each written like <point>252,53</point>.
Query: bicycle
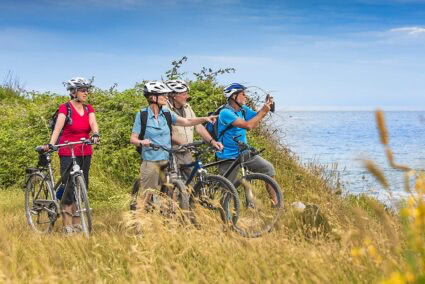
<point>259,212</point>
<point>42,207</point>
<point>209,190</point>
<point>171,186</point>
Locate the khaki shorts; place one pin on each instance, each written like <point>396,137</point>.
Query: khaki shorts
<point>256,164</point>
<point>150,174</point>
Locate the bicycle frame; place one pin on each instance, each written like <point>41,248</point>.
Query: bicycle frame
<point>198,166</point>
<point>73,170</point>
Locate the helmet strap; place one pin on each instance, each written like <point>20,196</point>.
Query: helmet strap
<point>74,96</point>
<point>155,102</point>
<point>234,99</point>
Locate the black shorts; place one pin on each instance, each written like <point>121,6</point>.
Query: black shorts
<point>84,163</point>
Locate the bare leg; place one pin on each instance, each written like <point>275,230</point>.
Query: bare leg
<point>75,219</point>
<point>67,219</point>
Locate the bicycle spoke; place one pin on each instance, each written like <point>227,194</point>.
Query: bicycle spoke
<point>37,199</point>
<point>259,195</point>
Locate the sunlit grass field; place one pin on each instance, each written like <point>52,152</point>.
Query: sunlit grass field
<point>167,251</point>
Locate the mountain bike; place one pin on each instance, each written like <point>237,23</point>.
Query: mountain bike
<point>260,195</point>
<point>172,188</point>
<point>209,191</point>
<point>42,207</point>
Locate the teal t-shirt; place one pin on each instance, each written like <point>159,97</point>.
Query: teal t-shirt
<point>157,131</point>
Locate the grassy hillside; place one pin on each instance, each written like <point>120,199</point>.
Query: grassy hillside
<point>366,243</point>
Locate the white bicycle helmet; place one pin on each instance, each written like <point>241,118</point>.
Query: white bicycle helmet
<point>155,87</point>
<point>177,86</point>
<point>77,82</point>
<point>232,89</point>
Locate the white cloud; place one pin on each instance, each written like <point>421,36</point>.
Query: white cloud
<point>409,30</point>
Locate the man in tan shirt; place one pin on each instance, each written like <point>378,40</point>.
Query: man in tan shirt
<point>177,103</point>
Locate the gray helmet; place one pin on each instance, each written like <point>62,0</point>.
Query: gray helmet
<point>177,86</point>
<point>77,82</point>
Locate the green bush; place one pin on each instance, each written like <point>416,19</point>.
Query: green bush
<point>24,126</point>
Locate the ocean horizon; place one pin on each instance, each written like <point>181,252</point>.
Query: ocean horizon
<point>340,140</point>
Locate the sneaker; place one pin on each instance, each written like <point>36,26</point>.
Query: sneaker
<point>133,206</point>
<point>68,230</point>
<point>77,228</point>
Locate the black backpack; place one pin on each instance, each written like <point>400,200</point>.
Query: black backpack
<point>212,128</point>
<point>68,119</point>
<point>144,120</point>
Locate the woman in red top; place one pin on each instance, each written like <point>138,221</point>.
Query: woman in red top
<point>82,122</point>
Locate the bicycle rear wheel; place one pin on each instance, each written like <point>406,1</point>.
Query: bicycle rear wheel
<point>83,208</point>
<point>262,204</point>
<point>219,195</point>
<point>40,209</point>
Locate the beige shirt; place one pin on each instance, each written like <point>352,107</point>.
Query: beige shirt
<point>182,133</point>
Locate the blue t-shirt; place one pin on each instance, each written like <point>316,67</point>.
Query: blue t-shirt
<point>228,116</point>
<point>157,131</point>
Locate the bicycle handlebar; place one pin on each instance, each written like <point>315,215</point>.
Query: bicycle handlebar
<point>53,148</point>
<point>243,146</point>
<point>180,148</point>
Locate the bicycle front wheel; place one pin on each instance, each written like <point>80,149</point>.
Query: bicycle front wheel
<point>40,209</point>
<point>262,203</point>
<point>82,203</point>
<point>219,195</point>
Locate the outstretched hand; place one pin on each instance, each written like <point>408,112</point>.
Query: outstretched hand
<point>211,118</point>
<point>217,145</point>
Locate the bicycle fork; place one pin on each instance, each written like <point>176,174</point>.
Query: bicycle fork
<point>248,190</point>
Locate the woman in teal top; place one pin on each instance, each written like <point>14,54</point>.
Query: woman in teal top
<point>157,132</point>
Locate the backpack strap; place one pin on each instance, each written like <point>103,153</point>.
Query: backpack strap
<point>169,120</point>
<point>143,121</point>
<point>68,119</point>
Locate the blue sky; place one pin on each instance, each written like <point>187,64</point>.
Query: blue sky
<point>356,54</point>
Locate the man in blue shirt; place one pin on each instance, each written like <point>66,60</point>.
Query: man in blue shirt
<point>157,132</point>
<point>233,121</point>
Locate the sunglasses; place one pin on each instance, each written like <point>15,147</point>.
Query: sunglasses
<point>83,90</point>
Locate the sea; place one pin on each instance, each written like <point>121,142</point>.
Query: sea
<point>341,140</point>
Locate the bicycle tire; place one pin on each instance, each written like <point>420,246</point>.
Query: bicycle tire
<point>258,212</point>
<point>182,194</point>
<point>82,203</point>
<point>182,198</point>
<point>42,216</point>
<point>227,203</point>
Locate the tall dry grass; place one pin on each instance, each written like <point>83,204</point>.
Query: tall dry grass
<point>167,251</point>
<point>363,246</point>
